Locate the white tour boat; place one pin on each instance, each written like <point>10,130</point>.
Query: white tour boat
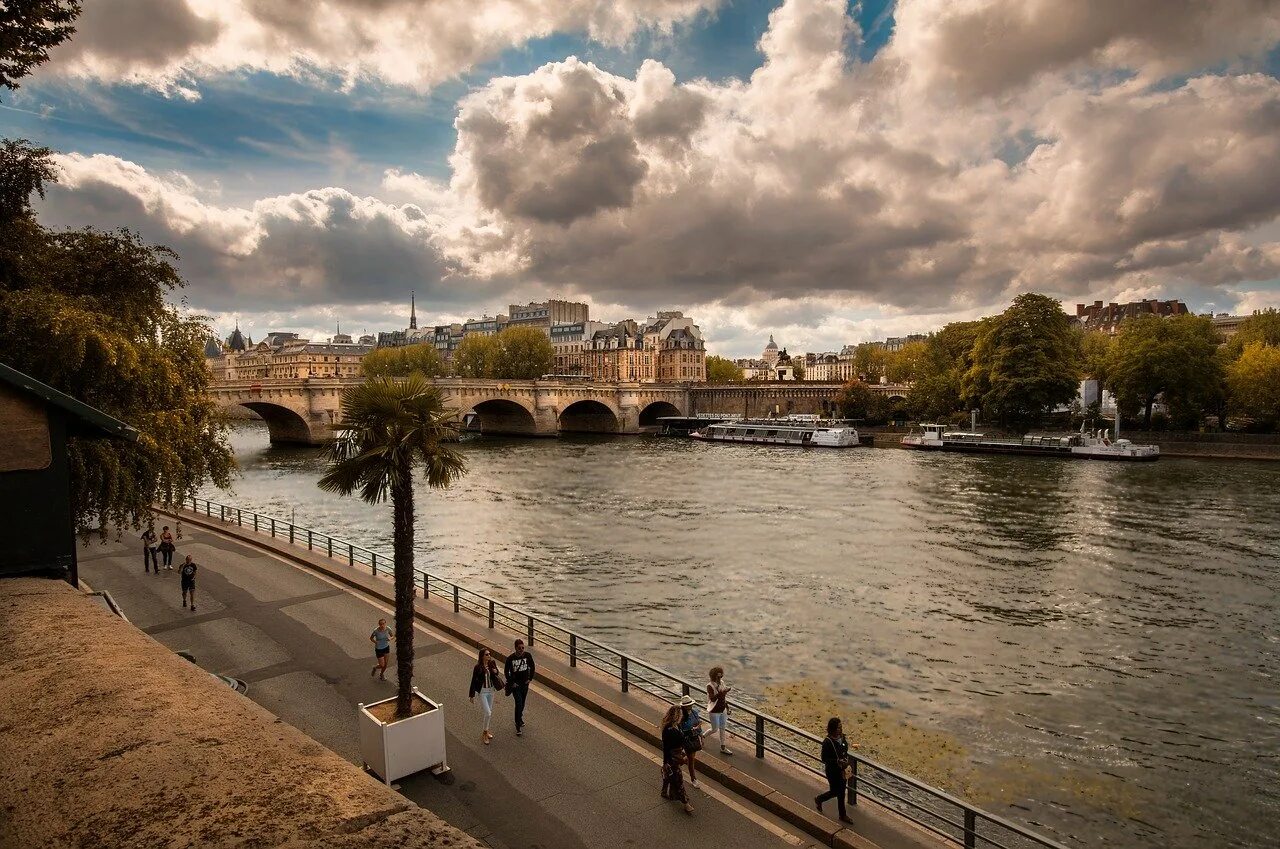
<point>1081,446</point>
<point>803,433</point>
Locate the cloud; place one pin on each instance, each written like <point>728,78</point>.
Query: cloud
<point>171,44</point>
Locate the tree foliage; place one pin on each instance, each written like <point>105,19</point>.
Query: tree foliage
<point>903,365</point>
<point>1025,362</point>
<point>947,356</point>
<point>1175,357</point>
<point>28,30</point>
<point>523,353</point>
<point>389,428</point>
<point>421,359</point>
<point>1254,381</point>
<point>869,361</point>
<point>1261,327</point>
<point>721,370</point>
<point>857,400</point>
<point>85,311</point>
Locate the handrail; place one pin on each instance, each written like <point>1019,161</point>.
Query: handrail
<point>587,650</point>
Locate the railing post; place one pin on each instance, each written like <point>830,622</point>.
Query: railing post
<point>330,540</point>
<point>374,563</point>
<point>573,649</point>
<point>208,509</point>
<point>853,782</point>
<point>530,632</point>
<point>239,518</point>
<point>490,613</point>
<point>426,585</point>
<point>626,685</point>
<point>309,539</point>
<point>455,598</point>
<point>351,555</point>
<point>273,528</point>
<point>970,829</point>
<point>684,688</point>
<point>222,509</point>
<point>759,736</point>
<point>291,533</point>
<point>255,523</point>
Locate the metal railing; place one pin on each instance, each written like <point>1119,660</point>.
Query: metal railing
<point>932,809</point>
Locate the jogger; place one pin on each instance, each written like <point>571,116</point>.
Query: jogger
<point>381,639</point>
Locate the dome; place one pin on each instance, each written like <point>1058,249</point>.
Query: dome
<point>772,346</point>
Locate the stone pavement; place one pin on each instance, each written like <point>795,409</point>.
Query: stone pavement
<point>301,644</point>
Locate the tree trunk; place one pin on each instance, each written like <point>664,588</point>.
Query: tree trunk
<point>402,521</point>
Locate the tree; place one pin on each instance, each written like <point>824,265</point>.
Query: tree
<point>85,311</point>
<point>28,30</point>
<point>421,359</point>
<point>947,355</point>
<point>902,366</point>
<point>721,370</point>
<point>1261,327</point>
<point>1254,381</point>
<point>1025,362</point>
<point>522,353</point>
<point>797,368</point>
<point>1174,357</point>
<point>857,400</point>
<point>869,361</point>
<point>389,427</point>
<point>476,356</point>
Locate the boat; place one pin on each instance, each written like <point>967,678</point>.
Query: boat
<point>799,432</point>
<point>1093,445</point>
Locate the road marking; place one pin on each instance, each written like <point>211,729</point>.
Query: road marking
<point>606,728</point>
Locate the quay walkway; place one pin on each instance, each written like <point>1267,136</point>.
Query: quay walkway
<point>294,624</point>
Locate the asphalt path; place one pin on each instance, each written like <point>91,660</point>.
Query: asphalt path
<point>301,643</point>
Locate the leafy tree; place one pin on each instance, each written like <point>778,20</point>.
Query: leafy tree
<point>1261,327</point>
<point>1025,362</point>
<point>1254,380</point>
<point>797,368</point>
<point>28,30</point>
<point>421,359</point>
<point>1174,357</point>
<point>857,400</point>
<point>902,366</point>
<point>721,370</point>
<point>388,428</point>
<point>85,311</point>
<point>522,353</point>
<point>476,356</point>
<point>947,355</point>
<point>1095,350</point>
<point>869,361</point>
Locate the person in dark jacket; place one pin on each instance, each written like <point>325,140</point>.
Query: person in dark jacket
<point>835,762</point>
<point>673,757</point>
<point>519,671</point>
<point>167,548</point>
<point>149,561</point>
<point>485,679</point>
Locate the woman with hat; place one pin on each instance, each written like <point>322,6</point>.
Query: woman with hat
<point>691,730</point>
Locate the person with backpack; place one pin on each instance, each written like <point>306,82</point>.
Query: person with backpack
<point>149,561</point>
<point>835,763</point>
<point>519,670</point>
<point>691,729</point>
<point>485,680</point>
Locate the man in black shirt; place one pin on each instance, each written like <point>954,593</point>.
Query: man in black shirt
<point>188,573</point>
<point>519,673</point>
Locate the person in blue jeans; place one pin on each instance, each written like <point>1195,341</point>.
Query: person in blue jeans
<point>691,728</point>
<point>381,639</point>
<point>485,679</point>
<point>519,673</point>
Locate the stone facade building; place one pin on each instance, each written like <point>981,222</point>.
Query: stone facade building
<point>547,314</point>
<point>1107,318</point>
<point>294,359</point>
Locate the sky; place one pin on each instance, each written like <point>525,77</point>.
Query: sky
<point>825,171</point>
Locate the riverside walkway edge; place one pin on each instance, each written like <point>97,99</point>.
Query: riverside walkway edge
<point>774,787</point>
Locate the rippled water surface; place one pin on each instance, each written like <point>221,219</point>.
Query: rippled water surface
<point>1100,640</point>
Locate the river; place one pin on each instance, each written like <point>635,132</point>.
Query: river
<point>1085,647</point>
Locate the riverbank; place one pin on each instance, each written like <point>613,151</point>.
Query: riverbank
<point>1222,446</point>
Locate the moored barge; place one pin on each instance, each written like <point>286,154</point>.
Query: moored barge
<point>1080,446</point>
<point>809,433</point>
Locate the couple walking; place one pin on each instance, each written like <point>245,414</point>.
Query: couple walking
<point>682,735</point>
<point>514,680</point>
<point>151,547</point>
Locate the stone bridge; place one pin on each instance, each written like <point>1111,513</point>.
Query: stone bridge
<point>303,411</point>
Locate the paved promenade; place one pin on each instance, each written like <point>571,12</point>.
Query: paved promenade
<point>300,641</point>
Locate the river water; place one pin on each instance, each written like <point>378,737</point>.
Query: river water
<point>1089,648</point>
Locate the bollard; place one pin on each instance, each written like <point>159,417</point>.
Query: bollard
<point>490,613</point>
<point>573,649</point>
<point>626,685</point>
<point>759,736</point>
<point>970,829</point>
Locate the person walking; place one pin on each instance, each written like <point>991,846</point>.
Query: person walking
<point>381,639</point>
<point>485,679</point>
<point>188,574</point>
<point>691,729</point>
<point>673,756</point>
<point>149,560</point>
<point>718,705</point>
<point>167,547</point>
<point>519,670</point>
<point>835,762</point>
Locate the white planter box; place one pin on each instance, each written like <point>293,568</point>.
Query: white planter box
<point>393,750</point>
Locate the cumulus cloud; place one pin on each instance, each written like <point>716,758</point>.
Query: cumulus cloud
<point>169,44</point>
<point>821,183</point>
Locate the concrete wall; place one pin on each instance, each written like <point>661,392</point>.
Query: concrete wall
<point>108,739</point>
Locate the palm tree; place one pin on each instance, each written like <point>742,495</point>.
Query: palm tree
<point>388,427</point>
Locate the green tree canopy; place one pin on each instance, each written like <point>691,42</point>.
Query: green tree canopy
<point>28,30</point>
<point>476,356</point>
<point>721,370</point>
<point>1254,381</point>
<point>1175,357</point>
<point>522,353</point>
<point>85,311</point>
<point>857,400</point>
<point>1262,327</point>
<point>869,361</point>
<point>903,365</point>
<point>421,359</point>
<point>1095,352</point>
<point>1025,362</point>
<point>947,355</point>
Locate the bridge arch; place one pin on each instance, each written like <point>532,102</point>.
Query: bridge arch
<point>589,416</point>
<point>650,414</point>
<point>503,416</point>
<point>284,426</point>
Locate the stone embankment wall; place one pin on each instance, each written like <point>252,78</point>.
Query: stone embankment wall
<point>107,739</point>
<point>1239,446</point>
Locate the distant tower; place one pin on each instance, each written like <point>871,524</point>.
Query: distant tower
<point>236,341</point>
<point>413,312</point>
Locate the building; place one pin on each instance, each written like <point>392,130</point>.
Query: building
<point>831,367</point>
<point>770,355</point>
<point>675,348</point>
<point>897,343</point>
<point>1107,318</point>
<point>486,326</point>
<point>614,354</point>
<point>547,314</point>
<point>446,338</point>
<point>392,339</point>
<point>295,359</point>
<point>38,535</point>
<point>366,339</point>
<point>568,342</point>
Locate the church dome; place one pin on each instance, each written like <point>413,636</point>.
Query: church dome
<point>772,346</point>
